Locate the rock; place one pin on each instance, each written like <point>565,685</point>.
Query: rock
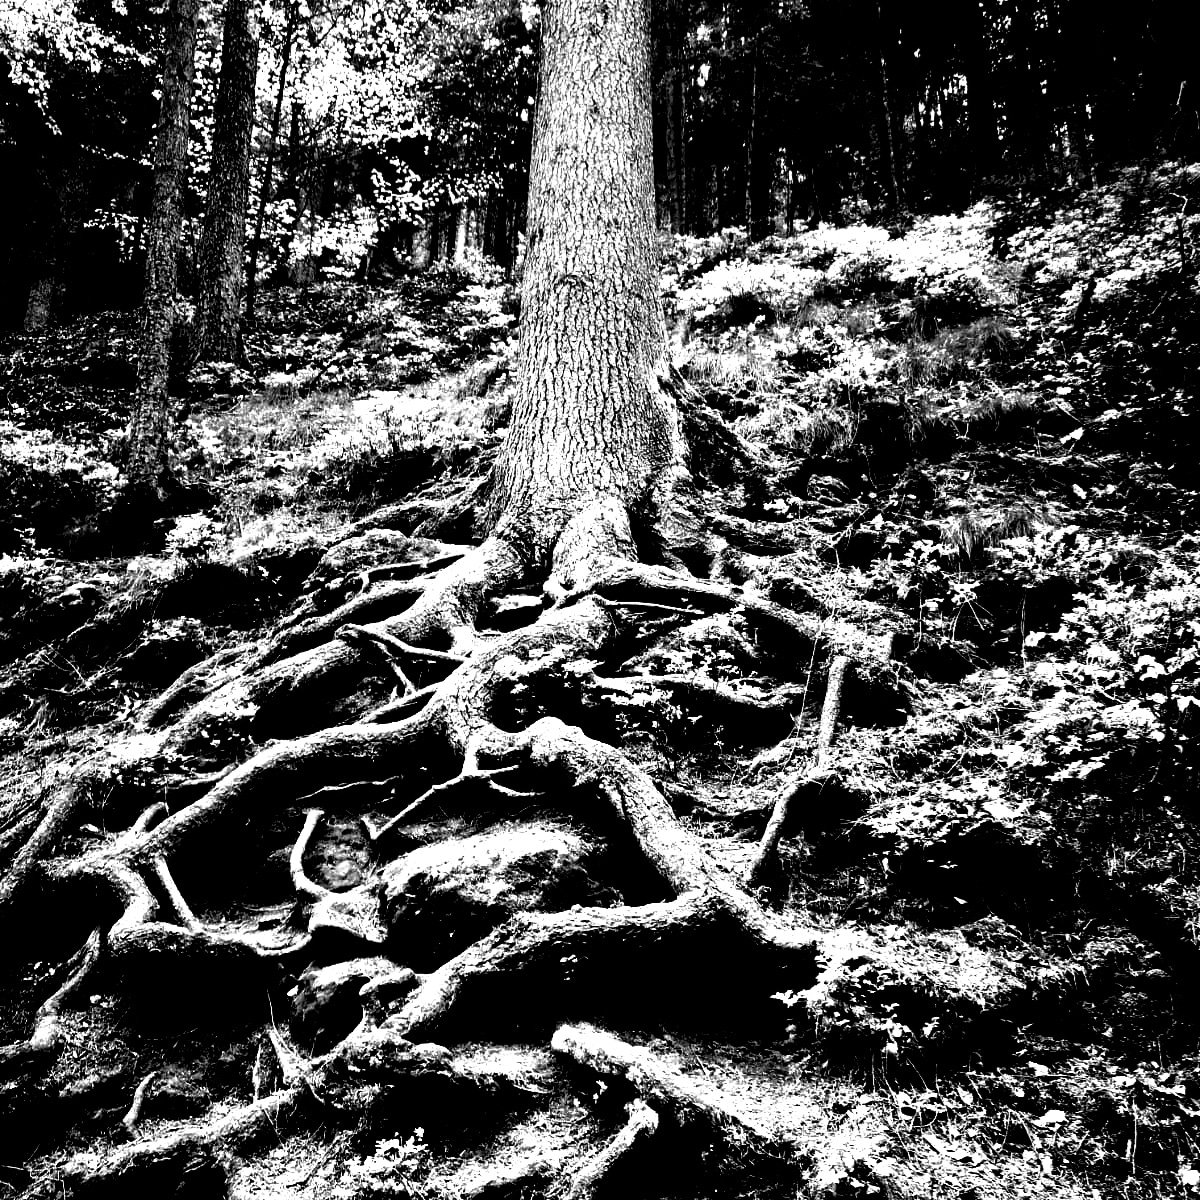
<point>439,899</point>
<point>326,1006</point>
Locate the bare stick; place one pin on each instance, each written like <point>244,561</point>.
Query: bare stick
<point>813,778</point>
<point>659,1084</point>
<point>405,570</point>
<point>394,710</point>
<point>399,646</point>
<point>466,776</point>
<point>131,1118</point>
<point>369,640</point>
<point>300,881</point>
<point>641,1125</point>
<point>179,906</point>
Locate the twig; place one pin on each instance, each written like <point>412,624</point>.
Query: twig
<point>179,906</point>
<point>300,881</point>
<point>405,570</point>
<point>131,1118</point>
<point>815,777</point>
<point>641,1125</point>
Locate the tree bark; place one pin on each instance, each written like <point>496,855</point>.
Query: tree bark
<point>593,429</point>
<point>147,472</point>
<point>223,243</point>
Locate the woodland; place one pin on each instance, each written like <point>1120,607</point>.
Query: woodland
<point>599,598</point>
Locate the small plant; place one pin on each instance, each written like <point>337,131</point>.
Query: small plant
<point>387,1174</point>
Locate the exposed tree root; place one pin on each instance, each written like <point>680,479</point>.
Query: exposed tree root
<point>810,782</point>
<point>300,881</point>
<point>590,1179</point>
<point>488,711</point>
<point>44,1041</point>
<point>690,1105</point>
<point>134,1112</point>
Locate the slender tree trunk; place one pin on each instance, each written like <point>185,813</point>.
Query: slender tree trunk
<point>264,196</point>
<point>223,244</point>
<point>593,437</point>
<point>751,131</point>
<point>422,246</point>
<point>146,465</point>
<point>981,97</point>
<point>461,228</point>
<point>885,103</point>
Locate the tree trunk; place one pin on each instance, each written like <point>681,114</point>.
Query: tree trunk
<point>264,196</point>
<point>981,98</point>
<point>888,143</point>
<point>422,246</point>
<point>222,246</point>
<point>146,466</point>
<point>592,430</point>
<point>461,224</point>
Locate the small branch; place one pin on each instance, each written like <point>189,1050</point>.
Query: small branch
<point>468,775</point>
<point>812,779</point>
<point>131,1118</point>
<point>405,570</point>
<point>300,881</point>
<point>641,1126</point>
<point>179,906</point>
<point>660,1085</point>
<point>374,645</point>
<point>399,646</point>
<point>292,1064</point>
<point>395,710</point>
<point>647,607</point>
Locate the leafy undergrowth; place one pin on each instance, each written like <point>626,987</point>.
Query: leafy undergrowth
<point>980,437</point>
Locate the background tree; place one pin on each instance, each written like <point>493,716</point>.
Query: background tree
<point>223,243</point>
<point>146,467</point>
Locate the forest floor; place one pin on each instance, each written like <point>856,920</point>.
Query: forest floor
<point>972,439</point>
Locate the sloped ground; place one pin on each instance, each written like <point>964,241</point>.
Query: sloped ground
<point>974,443</point>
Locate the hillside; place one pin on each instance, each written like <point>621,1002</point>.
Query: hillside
<point>939,639</point>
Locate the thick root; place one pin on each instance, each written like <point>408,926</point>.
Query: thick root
<point>810,783</point>
<point>640,1127</point>
<point>692,1107</point>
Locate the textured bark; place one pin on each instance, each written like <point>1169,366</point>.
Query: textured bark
<point>592,426</point>
<point>223,244</point>
<point>146,464</point>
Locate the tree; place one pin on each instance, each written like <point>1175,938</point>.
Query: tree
<point>593,438</point>
<point>146,467</point>
<point>222,245</point>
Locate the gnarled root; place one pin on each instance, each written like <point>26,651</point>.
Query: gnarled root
<point>44,1041</point>
<point>640,1127</point>
<point>690,1106</point>
<point>811,782</point>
